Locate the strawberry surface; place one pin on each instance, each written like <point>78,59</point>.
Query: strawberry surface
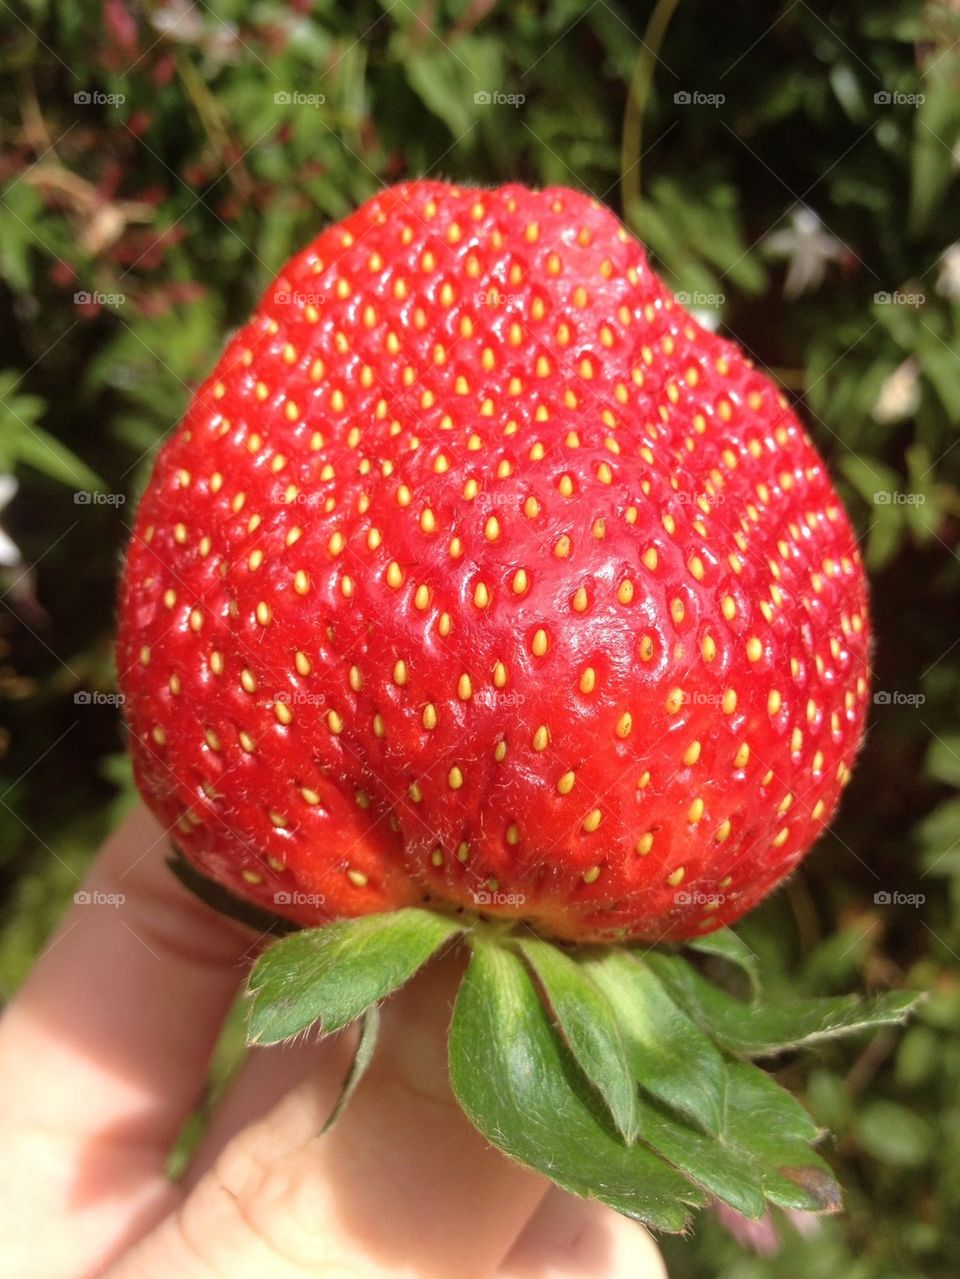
<point>479,575</point>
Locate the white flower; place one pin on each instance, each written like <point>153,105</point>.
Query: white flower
<point>9,551</point>
<point>900,394</point>
<point>948,281</point>
<point>808,248</point>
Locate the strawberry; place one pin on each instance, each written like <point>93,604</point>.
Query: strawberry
<point>479,575</point>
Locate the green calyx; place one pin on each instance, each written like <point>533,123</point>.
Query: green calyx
<point>621,1073</point>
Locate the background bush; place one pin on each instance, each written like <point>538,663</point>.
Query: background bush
<point>159,163</point>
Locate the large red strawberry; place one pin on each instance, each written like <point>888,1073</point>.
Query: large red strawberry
<point>480,580</point>
<point>479,573</point>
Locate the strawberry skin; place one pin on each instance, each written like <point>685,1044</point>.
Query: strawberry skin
<point>479,575</point>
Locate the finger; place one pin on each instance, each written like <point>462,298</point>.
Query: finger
<point>103,1054</point>
<point>402,1184</point>
<point>578,1237</point>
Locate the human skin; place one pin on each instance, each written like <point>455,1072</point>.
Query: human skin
<point>105,1051</point>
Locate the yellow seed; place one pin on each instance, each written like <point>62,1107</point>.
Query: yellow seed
<point>754,649</point>
<point>334,722</point>
<point>540,642</point>
<point>481,595</point>
<point>429,716</point>
<point>592,875</point>
<point>565,782</point>
<point>625,591</point>
<point>301,582</point>
<point>729,701</point>
<point>520,581</point>
<point>464,688</point>
<point>675,700</point>
<point>650,558</point>
<point>491,530</point>
<point>723,832</point>
<point>588,680</point>
<point>421,598</point>
<point>691,754</point>
<point>781,837</point>
<point>246,742</point>
<point>592,820</point>
<point>357,878</point>
<point>379,727</point>
<point>302,663</point>
<point>624,725</point>
<point>264,613</point>
<point>708,648</point>
<point>282,713</point>
<point>248,680</point>
<point>676,877</point>
<point>645,843</point>
<point>541,738</point>
<point>580,599</point>
<point>252,877</point>
<point>695,811</point>
<point>513,834</point>
<point>742,756</point>
<point>500,751</point>
<point>455,778</point>
<point>400,673</point>
<point>499,675</point>
<point>646,648</point>
<point>394,575</point>
<point>774,702</point>
<point>728,607</point>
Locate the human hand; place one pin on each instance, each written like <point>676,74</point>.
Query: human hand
<point>105,1051</point>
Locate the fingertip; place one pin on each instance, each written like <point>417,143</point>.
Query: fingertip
<point>576,1237</point>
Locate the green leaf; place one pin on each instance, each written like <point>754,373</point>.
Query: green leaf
<point>725,944</point>
<point>671,1057</point>
<point>894,1134</point>
<point>522,1089</point>
<point>761,1030</point>
<point>330,975</point>
<point>589,1027</point>
<point>24,441</point>
<point>723,1172</point>
<point>369,1032</point>
<point>770,1126</point>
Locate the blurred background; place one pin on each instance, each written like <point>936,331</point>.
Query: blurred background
<point>793,169</point>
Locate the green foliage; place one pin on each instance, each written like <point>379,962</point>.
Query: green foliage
<point>172,209</point>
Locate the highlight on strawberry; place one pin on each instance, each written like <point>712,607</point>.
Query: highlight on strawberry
<point>485,599</point>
